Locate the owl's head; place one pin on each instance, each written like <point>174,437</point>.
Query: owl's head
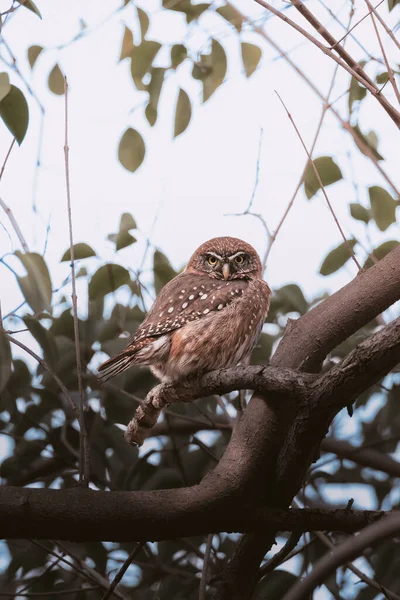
<point>226,258</point>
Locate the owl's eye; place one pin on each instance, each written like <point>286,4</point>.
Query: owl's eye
<point>239,260</point>
<point>212,260</point>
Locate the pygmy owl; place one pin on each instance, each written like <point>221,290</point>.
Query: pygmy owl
<point>208,317</point>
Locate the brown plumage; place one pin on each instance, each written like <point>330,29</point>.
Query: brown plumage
<point>208,317</point>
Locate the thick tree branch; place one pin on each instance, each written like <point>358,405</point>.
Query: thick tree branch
<point>79,514</point>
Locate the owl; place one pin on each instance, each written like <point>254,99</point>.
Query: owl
<point>209,317</point>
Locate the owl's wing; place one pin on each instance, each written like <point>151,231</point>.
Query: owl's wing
<point>188,297</point>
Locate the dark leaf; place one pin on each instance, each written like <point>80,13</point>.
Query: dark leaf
<point>107,279</point>
<point>359,138</point>
<point>251,56</point>
<point>359,212</point>
<point>44,338</point>
<point>144,22</point>
<point>275,585</point>
<point>30,6</point>
<point>33,54</point>
<point>127,44</point>
<point>382,77</point>
<point>131,150</point>
<point>383,207</point>
<point>81,250</point>
<point>192,11</point>
<point>392,4</point>
<point>183,113</point>
<point>262,350</point>
<point>154,89</point>
<point>337,257</point>
<point>122,239</point>
<point>142,58</point>
<point>163,272</point>
<point>381,252</point>
<point>15,113</point>
<point>5,86</point>
<point>127,222</point>
<point>357,93</point>
<point>217,63</point>
<point>328,171</point>
<point>5,360</point>
<point>56,81</point>
<point>178,55</point>
<point>230,15</point>
<point>36,285</point>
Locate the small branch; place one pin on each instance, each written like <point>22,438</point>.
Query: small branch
<point>280,556</point>
<point>15,225</point>
<point>317,175</point>
<point>355,24</point>
<point>256,377</point>
<point>6,158</point>
<point>349,550</point>
<point>84,458</point>
<point>117,579</point>
<point>385,58</point>
<point>204,573</point>
<point>80,590</point>
<point>382,22</point>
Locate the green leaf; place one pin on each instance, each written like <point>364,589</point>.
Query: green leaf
<point>381,252</point>
<point>56,81</point>
<point>383,207</point>
<point>30,6</point>
<point>5,360</point>
<point>183,113</point>
<point>127,222</point>
<point>367,141</point>
<point>392,4</point>
<point>131,150</point>
<point>121,239</point>
<point>230,15</point>
<point>359,212</point>
<point>44,338</point>
<point>36,285</point>
<point>5,86</point>
<point>292,298</point>
<point>142,58</point>
<point>382,77</point>
<point>251,56</point>
<point>154,89</point>
<point>178,55</point>
<point>144,22</point>
<point>328,171</point>
<point>192,11</point>
<point>15,113</point>
<point>127,44</point>
<point>107,279</point>
<point>33,54</point>
<point>275,585</point>
<point>163,271</point>
<point>357,93</point>
<point>337,258</point>
<point>81,250</point>
<point>216,76</point>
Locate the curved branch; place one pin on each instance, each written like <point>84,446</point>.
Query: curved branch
<point>349,550</point>
<point>80,514</point>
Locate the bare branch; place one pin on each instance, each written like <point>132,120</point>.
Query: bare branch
<point>6,158</point>
<point>117,579</point>
<point>84,457</point>
<point>204,573</point>
<point>382,22</point>
<point>80,514</point>
<point>15,225</point>
<point>385,58</point>
<point>349,550</point>
<point>280,556</point>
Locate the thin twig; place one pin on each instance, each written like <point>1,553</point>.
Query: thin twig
<point>203,580</point>
<point>382,22</point>
<point>356,24</point>
<point>354,71</point>
<point>350,249</point>
<point>280,556</point>
<point>122,571</point>
<point>79,590</point>
<point>15,225</point>
<point>6,158</point>
<point>385,58</point>
<point>257,171</point>
<point>84,458</point>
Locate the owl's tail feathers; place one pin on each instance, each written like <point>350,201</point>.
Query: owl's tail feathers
<point>116,365</point>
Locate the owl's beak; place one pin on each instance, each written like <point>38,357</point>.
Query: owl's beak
<point>226,270</point>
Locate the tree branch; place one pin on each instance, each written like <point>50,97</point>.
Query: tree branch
<point>80,514</point>
<point>349,550</point>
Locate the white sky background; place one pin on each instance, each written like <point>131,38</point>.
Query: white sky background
<point>209,171</point>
